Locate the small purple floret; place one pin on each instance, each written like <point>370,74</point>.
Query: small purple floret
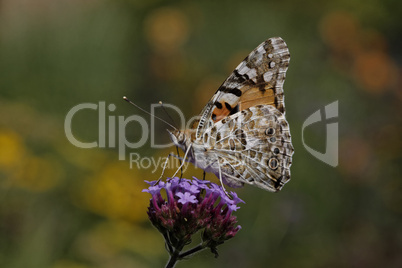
<point>186,198</point>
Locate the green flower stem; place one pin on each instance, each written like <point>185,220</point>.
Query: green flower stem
<point>167,242</point>
<point>175,256</point>
<point>192,251</point>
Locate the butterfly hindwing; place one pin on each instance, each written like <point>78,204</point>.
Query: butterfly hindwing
<point>253,147</point>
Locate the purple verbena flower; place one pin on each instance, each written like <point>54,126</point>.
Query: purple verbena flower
<point>191,206</point>
<point>186,198</point>
<point>153,190</point>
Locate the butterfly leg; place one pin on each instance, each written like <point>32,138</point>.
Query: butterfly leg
<point>165,164</point>
<point>181,169</point>
<point>203,176</point>
<point>182,164</point>
<point>220,179</point>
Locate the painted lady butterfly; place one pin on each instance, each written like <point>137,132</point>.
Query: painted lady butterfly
<point>242,135</point>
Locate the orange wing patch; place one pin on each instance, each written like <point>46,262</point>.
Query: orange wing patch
<point>222,109</point>
<point>255,96</point>
<point>251,97</point>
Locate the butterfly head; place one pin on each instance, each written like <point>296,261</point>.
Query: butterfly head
<point>178,138</point>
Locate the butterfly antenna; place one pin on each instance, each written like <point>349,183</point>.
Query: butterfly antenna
<point>164,109</point>
<point>164,121</point>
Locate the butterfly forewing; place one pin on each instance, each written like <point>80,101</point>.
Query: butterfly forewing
<point>258,79</point>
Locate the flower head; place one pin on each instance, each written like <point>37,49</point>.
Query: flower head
<point>191,206</point>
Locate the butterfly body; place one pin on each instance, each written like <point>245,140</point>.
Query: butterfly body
<point>242,135</point>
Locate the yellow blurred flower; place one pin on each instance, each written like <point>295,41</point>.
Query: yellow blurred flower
<point>12,149</point>
<point>38,174</point>
<point>111,239</point>
<point>166,29</point>
<point>115,192</point>
<point>23,169</point>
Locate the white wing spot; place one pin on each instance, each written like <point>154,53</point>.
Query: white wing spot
<point>252,73</point>
<point>260,50</point>
<point>230,98</point>
<point>268,76</point>
<point>243,69</point>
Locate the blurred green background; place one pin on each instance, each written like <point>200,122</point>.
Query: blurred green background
<point>66,207</point>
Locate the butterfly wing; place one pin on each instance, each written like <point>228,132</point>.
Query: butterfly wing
<point>258,79</point>
<point>253,147</point>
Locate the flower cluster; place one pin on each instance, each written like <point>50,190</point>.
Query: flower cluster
<point>191,206</point>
